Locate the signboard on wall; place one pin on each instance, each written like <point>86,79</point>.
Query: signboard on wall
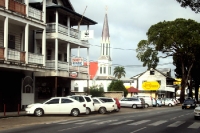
<point>87,34</point>
<point>73,74</point>
<point>150,85</point>
<point>77,61</point>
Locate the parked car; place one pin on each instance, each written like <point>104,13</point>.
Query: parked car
<point>169,102</point>
<point>196,113</point>
<point>159,103</point>
<point>85,99</point>
<point>148,100</point>
<point>162,100</point>
<point>118,104</point>
<point>133,102</point>
<point>189,103</point>
<point>57,105</point>
<point>156,102</point>
<point>103,104</point>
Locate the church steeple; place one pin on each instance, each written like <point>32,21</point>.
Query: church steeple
<point>105,31</point>
<point>104,61</point>
<point>105,39</point>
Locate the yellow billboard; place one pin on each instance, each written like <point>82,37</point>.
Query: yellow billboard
<point>150,85</point>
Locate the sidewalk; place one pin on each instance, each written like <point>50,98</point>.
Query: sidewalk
<point>12,114</point>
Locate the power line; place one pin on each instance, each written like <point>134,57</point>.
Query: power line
<point>115,48</point>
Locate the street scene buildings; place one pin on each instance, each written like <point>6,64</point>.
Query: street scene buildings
<point>36,42</point>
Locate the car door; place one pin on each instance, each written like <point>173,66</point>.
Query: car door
<point>67,105</point>
<point>97,104</point>
<point>89,103</point>
<point>123,102</point>
<point>52,106</point>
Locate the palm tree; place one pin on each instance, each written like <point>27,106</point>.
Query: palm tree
<point>119,72</point>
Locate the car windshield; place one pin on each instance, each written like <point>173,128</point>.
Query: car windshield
<point>189,101</point>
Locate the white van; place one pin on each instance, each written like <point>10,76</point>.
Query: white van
<point>148,100</point>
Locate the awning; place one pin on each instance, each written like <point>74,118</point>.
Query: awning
<point>132,90</point>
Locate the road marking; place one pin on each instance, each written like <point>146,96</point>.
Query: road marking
<point>173,118</point>
<point>195,125</point>
<point>70,122</point>
<point>157,123</point>
<point>104,122</point>
<point>138,130</point>
<point>86,122</point>
<point>139,122</point>
<point>117,123</point>
<point>176,124</point>
<point>68,128</point>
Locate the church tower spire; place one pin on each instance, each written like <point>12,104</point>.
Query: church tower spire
<point>104,61</point>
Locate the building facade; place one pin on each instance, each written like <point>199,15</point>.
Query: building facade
<point>36,40</point>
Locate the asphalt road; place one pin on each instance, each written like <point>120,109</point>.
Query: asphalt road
<point>153,120</point>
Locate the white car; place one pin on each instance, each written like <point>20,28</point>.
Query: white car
<point>85,99</point>
<point>102,106</point>
<point>196,113</point>
<point>57,105</point>
<point>169,102</point>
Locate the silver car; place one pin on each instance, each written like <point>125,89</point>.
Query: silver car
<point>133,102</point>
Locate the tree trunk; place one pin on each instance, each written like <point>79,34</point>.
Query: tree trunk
<point>197,90</point>
<point>185,77</point>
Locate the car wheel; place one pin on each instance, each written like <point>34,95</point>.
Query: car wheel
<point>39,112</point>
<point>88,111</point>
<point>170,105</point>
<point>146,105</point>
<point>102,110</point>
<point>134,106</point>
<point>195,117</point>
<point>75,112</point>
<point>183,108</point>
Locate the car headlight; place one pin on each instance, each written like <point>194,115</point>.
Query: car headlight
<point>31,105</point>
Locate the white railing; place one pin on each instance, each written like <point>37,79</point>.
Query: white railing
<point>83,69</point>
<point>35,58</point>
<point>51,27</point>
<point>75,33</point>
<point>13,54</point>
<point>50,64</point>
<point>62,29</point>
<point>35,13</point>
<point>62,65</point>
<point>73,68</point>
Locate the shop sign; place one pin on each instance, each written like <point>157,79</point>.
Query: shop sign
<point>77,61</point>
<point>151,85</point>
<point>73,74</point>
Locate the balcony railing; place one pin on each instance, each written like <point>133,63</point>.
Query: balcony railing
<point>17,7</point>
<point>62,65</point>
<point>62,29</point>
<point>74,33</point>
<point>51,28</point>
<point>35,58</point>
<point>83,69</point>
<point>1,53</point>
<point>50,64</point>
<point>2,3</point>
<point>16,55</point>
<point>35,13</point>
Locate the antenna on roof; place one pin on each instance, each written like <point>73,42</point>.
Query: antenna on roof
<point>81,18</point>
